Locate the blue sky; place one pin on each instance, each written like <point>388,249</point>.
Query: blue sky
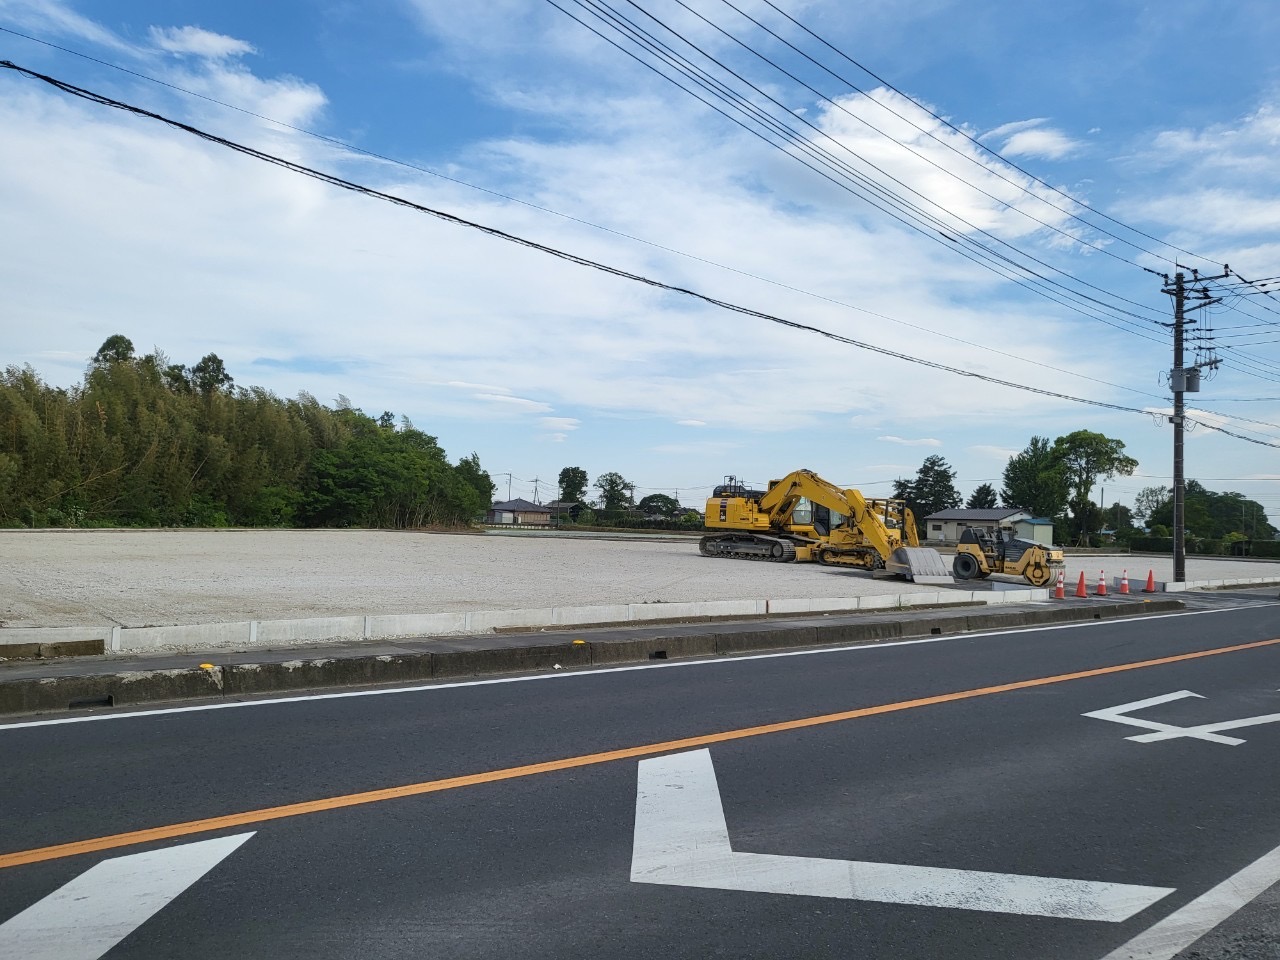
<point>1163,116</point>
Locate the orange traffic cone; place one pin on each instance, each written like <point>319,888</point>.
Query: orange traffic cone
<point>1151,582</point>
<point>1059,592</point>
<point>1124,582</point>
<point>1080,590</point>
<point>1102,583</point>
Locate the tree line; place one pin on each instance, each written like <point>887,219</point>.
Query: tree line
<point>146,442</point>
<point>1055,479</point>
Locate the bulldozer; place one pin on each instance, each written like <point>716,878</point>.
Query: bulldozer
<point>803,518</point>
<point>979,554</point>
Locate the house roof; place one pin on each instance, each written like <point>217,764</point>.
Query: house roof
<point>520,506</point>
<point>976,516</point>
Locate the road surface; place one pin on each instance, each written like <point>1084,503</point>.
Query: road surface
<point>1089,791</point>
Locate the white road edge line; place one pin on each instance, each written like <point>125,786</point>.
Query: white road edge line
<point>597,672</point>
<point>1185,926</point>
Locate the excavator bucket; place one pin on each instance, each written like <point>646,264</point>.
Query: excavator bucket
<point>919,565</point>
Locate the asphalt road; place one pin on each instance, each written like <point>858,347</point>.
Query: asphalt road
<point>1043,833</point>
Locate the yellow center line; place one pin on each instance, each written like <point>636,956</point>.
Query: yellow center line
<point>264,814</point>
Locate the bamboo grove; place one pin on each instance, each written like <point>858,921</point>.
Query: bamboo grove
<point>145,442</point>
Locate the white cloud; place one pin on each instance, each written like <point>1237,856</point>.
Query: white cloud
<point>691,423</point>
<point>1000,453</point>
<point>1016,126</point>
<point>559,424</point>
<point>199,42</point>
<point>55,17</point>
<point>922,442</point>
<point>520,403</point>
<point>1043,143</point>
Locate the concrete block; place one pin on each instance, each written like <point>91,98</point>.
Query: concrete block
<point>833,604</point>
<point>23,635</point>
<point>934,626</point>
<point>918,599</point>
<point>744,640</point>
<point>996,621</point>
<point>199,636</point>
<point>62,693</point>
<point>416,624</point>
<point>1172,587</point>
<point>799,605</point>
<point>247,678</point>
<point>853,633</point>
<point>882,601</point>
<point>73,648</point>
<point>483,621</point>
<point>568,616</point>
<point>272,632</point>
<point>652,648</point>
<point>20,651</point>
<point>462,660</point>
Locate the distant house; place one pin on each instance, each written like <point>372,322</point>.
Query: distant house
<point>519,511</point>
<point>947,525</point>
<point>570,508</point>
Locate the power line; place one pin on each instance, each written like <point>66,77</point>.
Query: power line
<point>610,230</point>
<point>905,212</point>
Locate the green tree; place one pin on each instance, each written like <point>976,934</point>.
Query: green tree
<point>1034,480</point>
<point>615,491</point>
<point>210,374</point>
<point>659,505</point>
<point>1085,457</point>
<point>1149,500</point>
<point>573,485</point>
<point>115,349</point>
<point>933,488</point>
<point>476,477</point>
<point>982,498</point>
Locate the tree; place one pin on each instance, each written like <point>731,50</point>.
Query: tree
<point>573,485</point>
<point>210,375</point>
<point>615,491</point>
<point>659,505</point>
<point>1085,457</point>
<point>982,498</point>
<point>476,477</point>
<point>114,349</point>
<point>1034,480</point>
<point>934,488</point>
<point>1149,500</point>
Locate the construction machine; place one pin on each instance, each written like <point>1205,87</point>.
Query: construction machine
<point>979,554</point>
<point>803,517</point>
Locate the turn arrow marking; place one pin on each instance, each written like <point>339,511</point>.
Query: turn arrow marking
<point>681,839</point>
<point>85,918</point>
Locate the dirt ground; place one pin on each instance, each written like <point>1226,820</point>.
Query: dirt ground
<point>152,578</point>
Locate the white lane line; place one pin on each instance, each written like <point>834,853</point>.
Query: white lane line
<point>85,918</point>
<point>681,839</point>
<point>594,672</point>
<point>1185,926</point>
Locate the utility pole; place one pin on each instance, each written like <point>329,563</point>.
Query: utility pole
<point>1183,380</point>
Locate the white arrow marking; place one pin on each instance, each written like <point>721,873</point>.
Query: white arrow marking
<point>88,916</point>
<point>1169,731</point>
<point>681,839</point>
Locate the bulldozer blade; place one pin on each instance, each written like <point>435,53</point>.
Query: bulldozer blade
<point>919,565</point>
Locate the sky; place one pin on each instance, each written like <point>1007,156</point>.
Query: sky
<point>1089,144</point>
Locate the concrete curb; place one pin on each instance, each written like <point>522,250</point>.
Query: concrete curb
<point>451,659</point>
<point>263,634</point>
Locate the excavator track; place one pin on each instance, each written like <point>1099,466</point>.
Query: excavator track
<point>737,546</point>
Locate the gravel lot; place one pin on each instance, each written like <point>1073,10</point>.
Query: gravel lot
<point>152,578</point>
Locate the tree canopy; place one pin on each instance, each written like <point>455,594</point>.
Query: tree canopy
<point>982,498</point>
<point>573,485</point>
<point>616,491</point>
<point>144,442</point>
<point>933,488</point>
<point>1035,481</point>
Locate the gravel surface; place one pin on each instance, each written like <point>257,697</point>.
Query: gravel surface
<point>154,578</point>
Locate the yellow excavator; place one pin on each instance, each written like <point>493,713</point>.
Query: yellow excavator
<point>803,517</point>
<point>979,554</point>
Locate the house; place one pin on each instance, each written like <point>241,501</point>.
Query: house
<point>519,511</point>
<point>569,508</point>
<point>947,525</point>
